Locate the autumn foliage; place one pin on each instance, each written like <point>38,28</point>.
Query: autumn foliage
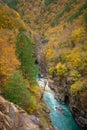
<point>8,59</point>
<point>63,24</point>
<point>16,60</point>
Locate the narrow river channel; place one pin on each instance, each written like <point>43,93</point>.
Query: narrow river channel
<point>63,120</point>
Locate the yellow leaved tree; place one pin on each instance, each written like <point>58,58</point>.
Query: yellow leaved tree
<point>8,60</point>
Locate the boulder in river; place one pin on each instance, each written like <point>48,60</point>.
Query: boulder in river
<point>59,108</point>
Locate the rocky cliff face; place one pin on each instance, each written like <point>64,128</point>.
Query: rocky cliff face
<point>79,115</point>
<point>79,111</point>
<point>60,87</point>
<point>77,103</point>
<point>13,117</point>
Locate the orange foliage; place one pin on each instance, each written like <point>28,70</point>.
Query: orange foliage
<point>8,60</point>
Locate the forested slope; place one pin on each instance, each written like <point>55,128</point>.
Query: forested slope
<point>17,63</point>
<point>65,26</point>
<point>62,25</point>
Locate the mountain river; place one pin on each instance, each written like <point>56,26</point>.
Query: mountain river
<point>62,119</point>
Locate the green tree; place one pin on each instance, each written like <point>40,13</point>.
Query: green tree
<point>16,89</point>
<point>17,92</point>
<point>24,50</point>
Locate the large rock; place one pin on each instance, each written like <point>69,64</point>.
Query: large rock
<point>79,113</point>
<point>13,117</point>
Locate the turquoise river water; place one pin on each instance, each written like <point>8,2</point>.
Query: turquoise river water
<point>63,120</point>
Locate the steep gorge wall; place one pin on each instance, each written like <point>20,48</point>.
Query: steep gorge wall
<point>64,24</point>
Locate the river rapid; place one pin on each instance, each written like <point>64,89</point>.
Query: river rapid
<point>62,119</point>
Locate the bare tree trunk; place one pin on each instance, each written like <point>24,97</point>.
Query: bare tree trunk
<point>45,82</point>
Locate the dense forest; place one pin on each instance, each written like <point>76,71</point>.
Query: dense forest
<point>18,70</point>
<point>55,31</point>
